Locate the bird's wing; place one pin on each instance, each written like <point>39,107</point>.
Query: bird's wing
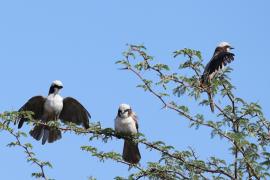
<point>135,118</point>
<point>218,61</point>
<point>74,112</point>
<point>36,105</point>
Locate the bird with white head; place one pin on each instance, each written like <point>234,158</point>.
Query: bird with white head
<point>225,45</point>
<point>52,108</point>
<point>221,57</point>
<point>126,123</point>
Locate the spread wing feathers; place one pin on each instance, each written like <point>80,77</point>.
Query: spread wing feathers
<point>218,61</point>
<point>36,105</point>
<point>74,112</point>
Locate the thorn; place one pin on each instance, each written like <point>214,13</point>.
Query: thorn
<point>129,167</point>
<point>165,107</point>
<point>126,68</point>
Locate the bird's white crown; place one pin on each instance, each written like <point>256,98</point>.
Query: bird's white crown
<point>124,107</point>
<point>223,44</point>
<point>57,83</point>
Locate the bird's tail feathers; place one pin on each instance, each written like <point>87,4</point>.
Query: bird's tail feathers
<point>203,81</point>
<point>205,84</point>
<point>211,101</point>
<point>54,134</point>
<point>37,132</point>
<point>131,152</point>
<point>49,134</point>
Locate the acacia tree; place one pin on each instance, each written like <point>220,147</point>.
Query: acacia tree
<point>236,121</point>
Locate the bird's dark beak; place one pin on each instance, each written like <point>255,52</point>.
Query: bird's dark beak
<point>231,47</point>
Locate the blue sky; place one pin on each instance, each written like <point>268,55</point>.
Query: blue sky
<point>78,42</point>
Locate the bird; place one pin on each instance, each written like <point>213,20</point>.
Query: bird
<point>52,108</point>
<point>126,122</point>
<point>221,57</point>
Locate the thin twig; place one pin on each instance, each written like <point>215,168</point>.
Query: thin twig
<point>29,154</point>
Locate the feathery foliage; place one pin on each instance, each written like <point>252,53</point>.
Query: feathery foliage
<point>238,122</point>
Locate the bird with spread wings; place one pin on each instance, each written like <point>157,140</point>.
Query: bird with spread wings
<point>222,56</point>
<point>52,108</point>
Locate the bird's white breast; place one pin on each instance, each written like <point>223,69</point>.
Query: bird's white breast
<point>54,103</point>
<point>125,125</point>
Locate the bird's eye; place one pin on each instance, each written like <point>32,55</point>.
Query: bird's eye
<point>58,87</point>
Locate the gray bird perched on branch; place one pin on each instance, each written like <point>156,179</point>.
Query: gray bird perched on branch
<point>126,123</point>
<point>52,108</point>
<point>222,56</point>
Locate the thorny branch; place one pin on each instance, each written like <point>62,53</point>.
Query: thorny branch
<point>29,153</point>
<point>205,124</point>
<point>108,133</point>
<point>189,163</point>
<point>233,119</point>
